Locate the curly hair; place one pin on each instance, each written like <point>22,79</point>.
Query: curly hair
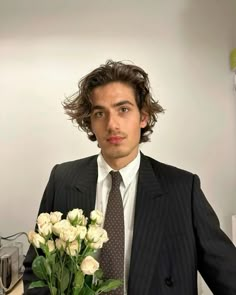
<point>79,106</point>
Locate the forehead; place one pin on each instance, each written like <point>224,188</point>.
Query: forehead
<point>113,92</point>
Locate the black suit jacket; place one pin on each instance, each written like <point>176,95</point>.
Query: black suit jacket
<point>176,232</point>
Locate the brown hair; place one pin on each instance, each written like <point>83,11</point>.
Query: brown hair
<point>79,105</point>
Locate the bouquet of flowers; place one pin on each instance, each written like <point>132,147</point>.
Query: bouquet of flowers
<point>67,265</point>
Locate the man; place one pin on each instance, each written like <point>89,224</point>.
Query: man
<point>171,231</point>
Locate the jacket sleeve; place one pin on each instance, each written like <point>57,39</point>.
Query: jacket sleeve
<point>216,252</point>
<point>45,206</point>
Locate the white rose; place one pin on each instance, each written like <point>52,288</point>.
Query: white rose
<point>96,234</point>
<point>31,235</point>
<point>89,265</point>
<point>51,245</point>
<point>37,240</point>
<point>83,220</point>
<point>55,217</point>
<point>43,218</point>
<point>73,248</point>
<point>99,243</point>
<point>45,229</point>
<point>60,244</point>
<point>69,234</point>
<point>97,217</point>
<point>59,226</point>
<point>81,231</point>
<point>104,236</point>
<point>75,215</point>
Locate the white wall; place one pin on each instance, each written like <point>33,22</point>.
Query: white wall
<point>47,46</point>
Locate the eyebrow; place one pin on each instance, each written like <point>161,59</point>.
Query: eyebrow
<point>120,103</point>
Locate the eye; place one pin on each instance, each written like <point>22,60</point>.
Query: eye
<point>124,109</point>
<point>98,114</point>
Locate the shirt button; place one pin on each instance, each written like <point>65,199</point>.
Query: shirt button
<point>169,282</point>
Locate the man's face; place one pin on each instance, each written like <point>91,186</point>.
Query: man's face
<point>116,122</point>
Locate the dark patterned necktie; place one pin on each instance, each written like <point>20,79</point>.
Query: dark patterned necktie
<point>112,253</point>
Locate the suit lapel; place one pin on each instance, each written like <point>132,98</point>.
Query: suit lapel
<point>150,216</point>
<point>84,187</point>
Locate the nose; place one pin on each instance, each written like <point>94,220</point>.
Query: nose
<point>112,122</point>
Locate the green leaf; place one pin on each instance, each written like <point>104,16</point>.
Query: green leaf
<point>53,291</point>
<point>48,267</point>
<point>65,277</point>
<point>108,286</point>
<point>37,284</point>
<point>76,291</point>
<point>99,274</point>
<point>79,279</point>
<point>56,269</point>
<point>39,267</point>
<point>52,258</point>
<point>87,291</point>
<point>44,248</point>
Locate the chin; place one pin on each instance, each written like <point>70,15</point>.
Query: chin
<point>118,153</point>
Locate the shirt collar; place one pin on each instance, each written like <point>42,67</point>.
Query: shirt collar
<point>128,172</point>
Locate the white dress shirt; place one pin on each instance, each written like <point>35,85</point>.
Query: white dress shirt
<point>128,190</point>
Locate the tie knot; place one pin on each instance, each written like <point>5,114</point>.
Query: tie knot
<point>116,178</point>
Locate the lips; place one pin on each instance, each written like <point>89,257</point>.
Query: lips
<point>115,139</point>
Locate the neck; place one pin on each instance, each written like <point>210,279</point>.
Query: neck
<point>119,162</point>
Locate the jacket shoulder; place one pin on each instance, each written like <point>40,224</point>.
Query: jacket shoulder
<point>80,163</point>
<point>71,168</point>
<point>169,172</point>
<point>178,182</point>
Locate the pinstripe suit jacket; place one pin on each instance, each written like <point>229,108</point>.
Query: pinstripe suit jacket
<point>176,232</point>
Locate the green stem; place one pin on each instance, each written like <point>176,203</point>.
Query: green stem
<point>85,250</point>
<point>36,251</point>
<point>62,262</point>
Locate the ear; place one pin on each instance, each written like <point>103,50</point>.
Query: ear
<point>144,119</point>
